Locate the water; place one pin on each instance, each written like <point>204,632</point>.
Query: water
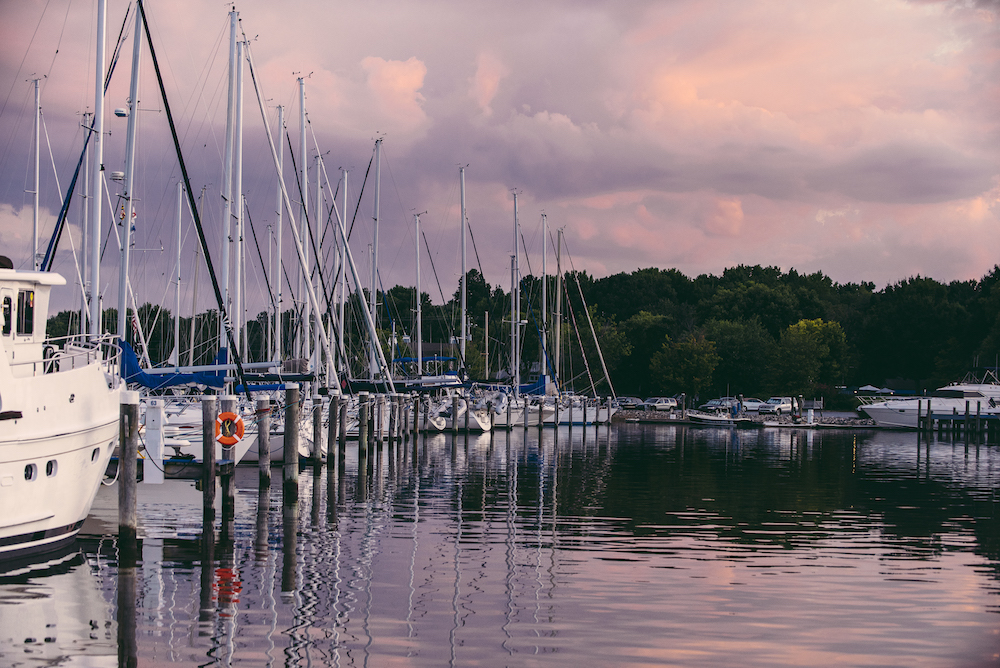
<point>642,545</point>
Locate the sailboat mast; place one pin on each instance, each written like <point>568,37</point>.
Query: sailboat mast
<point>304,215</point>
<point>557,324</point>
<point>95,237</point>
<point>318,262</point>
<point>194,283</point>
<point>238,311</point>
<point>343,283</point>
<point>373,305</point>
<point>85,226</point>
<point>515,306</point>
<point>129,194</point>
<point>420,333</point>
<point>279,330</point>
<point>465,287</point>
<point>545,305</point>
<point>177,303</point>
<point>227,178</point>
<point>34,193</point>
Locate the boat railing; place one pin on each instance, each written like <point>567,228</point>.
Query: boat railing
<point>72,352</point>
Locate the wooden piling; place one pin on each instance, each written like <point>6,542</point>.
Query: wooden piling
<point>209,412</point>
<point>454,413</point>
<point>316,454</point>
<point>332,424</point>
<point>290,470</point>
<point>263,414</point>
<point>362,421</point>
<point>128,458</point>
<point>342,445</point>
<point>390,418</point>
<point>228,404</point>
<point>416,414</point>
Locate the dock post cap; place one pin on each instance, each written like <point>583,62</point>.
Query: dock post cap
<point>129,397</point>
<point>291,386</point>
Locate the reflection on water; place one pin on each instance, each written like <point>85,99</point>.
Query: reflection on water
<point>52,613</point>
<point>630,545</point>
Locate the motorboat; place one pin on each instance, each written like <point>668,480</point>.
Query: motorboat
<point>978,395</point>
<point>59,408</point>
<point>721,419</point>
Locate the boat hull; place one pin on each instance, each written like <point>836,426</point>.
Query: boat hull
<point>46,511</point>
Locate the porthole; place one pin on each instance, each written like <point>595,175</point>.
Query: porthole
<point>30,472</point>
<point>95,454</point>
<point>51,467</point>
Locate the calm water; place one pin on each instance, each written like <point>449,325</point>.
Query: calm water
<point>643,545</point>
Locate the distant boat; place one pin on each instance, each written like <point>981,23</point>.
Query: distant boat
<point>59,406</point>
<point>901,413</point>
<point>719,420</point>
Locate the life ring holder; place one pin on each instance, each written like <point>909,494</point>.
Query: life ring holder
<point>229,428</point>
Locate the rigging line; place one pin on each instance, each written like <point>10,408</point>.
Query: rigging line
<point>527,259</point>
<point>357,206</point>
<point>62,31</point>
<point>227,323</point>
<point>64,211</point>
<point>576,330</point>
<point>25,57</point>
<point>260,256</point>
<point>476,250</point>
<point>318,270</point>
<point>451,322</point>
<point>600,354</point>
<point>55,175</point>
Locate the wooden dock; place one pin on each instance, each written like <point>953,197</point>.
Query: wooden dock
<point>970,423</point>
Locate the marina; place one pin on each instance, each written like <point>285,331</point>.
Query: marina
<point>625,545</point>
<point>420,453</point>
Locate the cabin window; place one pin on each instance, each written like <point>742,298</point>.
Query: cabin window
<point>8,311</point>
<point>25,312</point>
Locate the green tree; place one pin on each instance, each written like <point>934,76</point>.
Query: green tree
<point>746,351</point>
<point>811,357</point>
<point>643,332</point>
<point>684,366</point>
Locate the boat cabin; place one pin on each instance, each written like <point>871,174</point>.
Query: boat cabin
<point>24,306</point>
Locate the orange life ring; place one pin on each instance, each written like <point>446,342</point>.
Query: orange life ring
<point>228,428</point>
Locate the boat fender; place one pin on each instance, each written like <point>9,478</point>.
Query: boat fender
<point>228,428</point>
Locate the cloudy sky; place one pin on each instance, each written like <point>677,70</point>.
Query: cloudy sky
<point>859,138</point>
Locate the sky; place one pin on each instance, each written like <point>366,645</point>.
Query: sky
<point>859,138</point>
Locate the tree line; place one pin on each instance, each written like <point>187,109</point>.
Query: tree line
<point>753,330</point>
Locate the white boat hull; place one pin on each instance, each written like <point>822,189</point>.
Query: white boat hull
<point>53,457</point>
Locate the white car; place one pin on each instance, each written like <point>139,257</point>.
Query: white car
<point>776,405</point>
<point>660,404</point>
<point>751,404</point>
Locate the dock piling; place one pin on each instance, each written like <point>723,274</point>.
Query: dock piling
<point>264,442</point>
<point>128,457</point>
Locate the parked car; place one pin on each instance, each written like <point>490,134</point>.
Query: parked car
<point>660,404</point>
<point>721,404</point>
<point>752,404</point>
<point>777,406</point>
<point>630,403</point>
